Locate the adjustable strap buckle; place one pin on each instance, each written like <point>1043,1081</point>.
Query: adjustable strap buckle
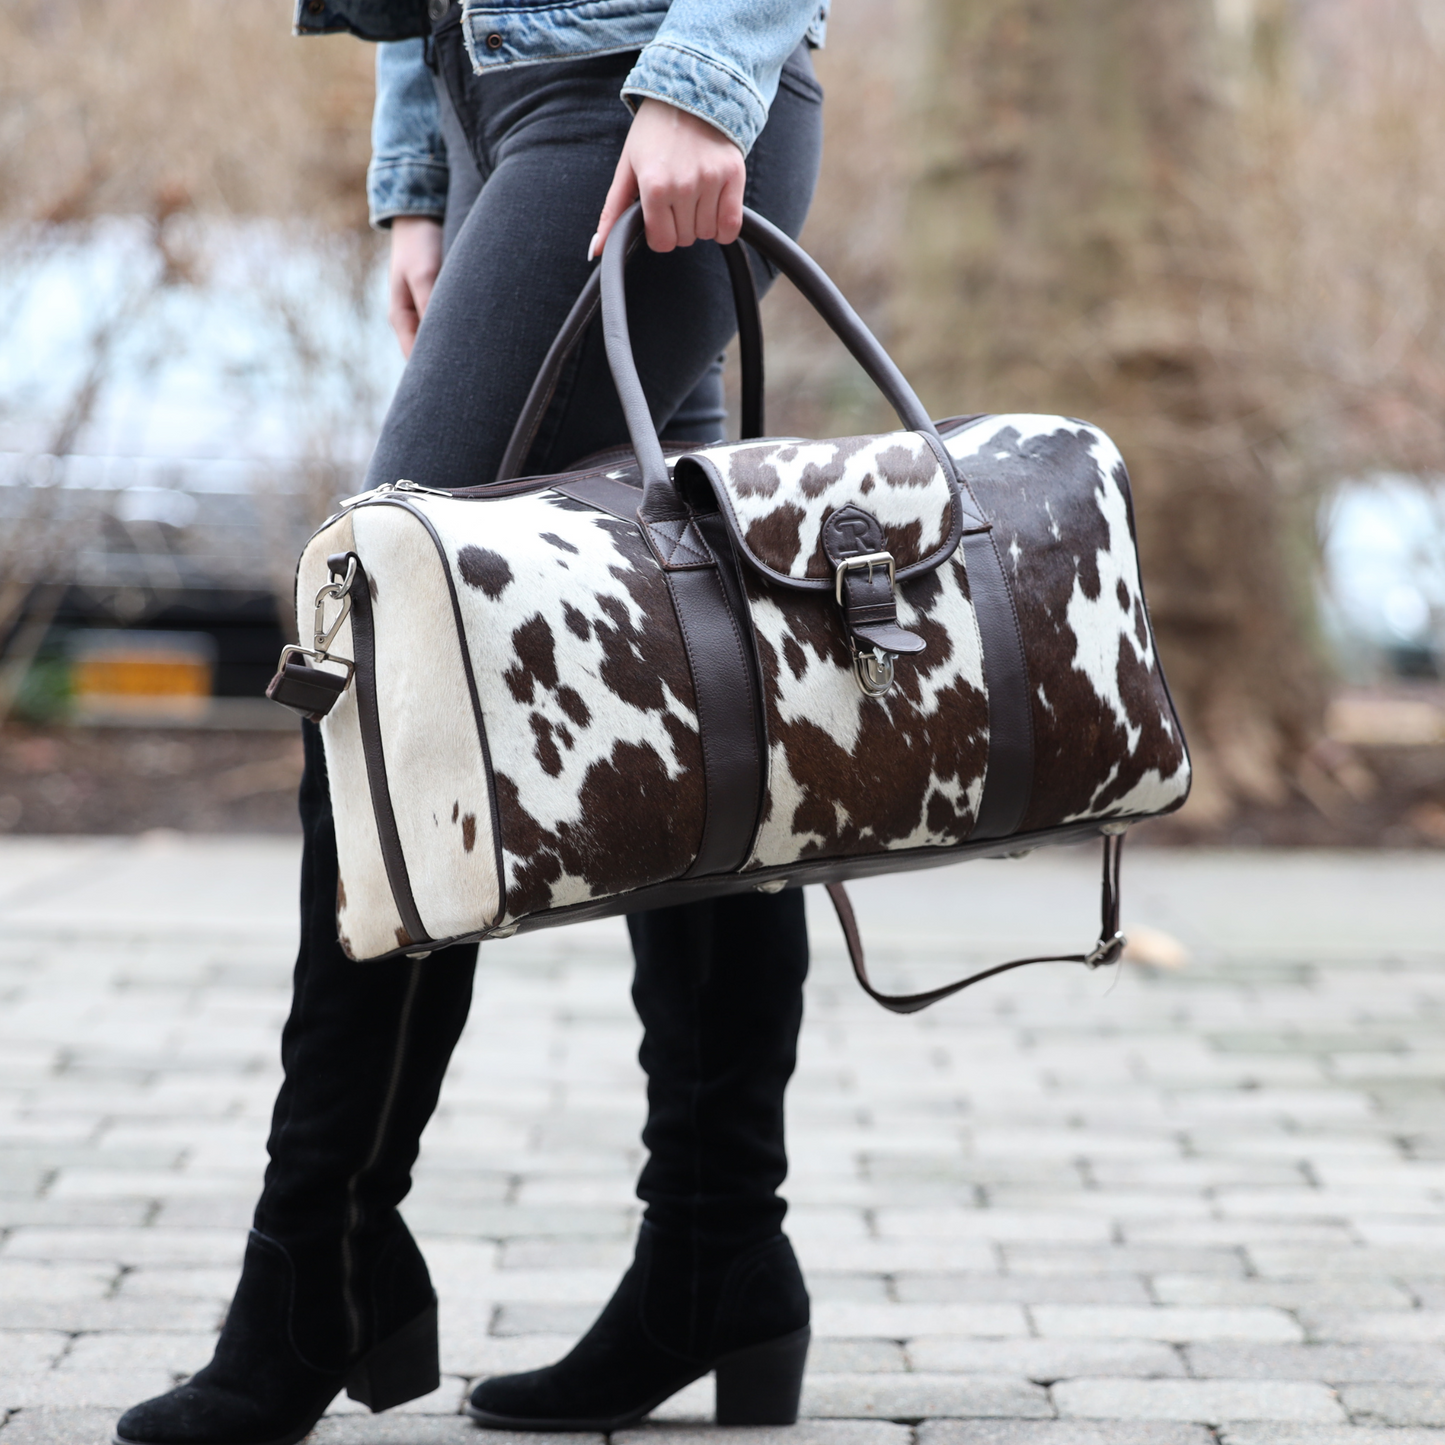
<point>870,560</point>
<point>306,688</point>
<point>1106,950</point>
<point>870,615</point>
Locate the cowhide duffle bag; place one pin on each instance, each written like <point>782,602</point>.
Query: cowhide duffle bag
<point>664,677</point>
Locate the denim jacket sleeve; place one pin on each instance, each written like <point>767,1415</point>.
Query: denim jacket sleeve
<point>722,61</point>
<point>408,171</point>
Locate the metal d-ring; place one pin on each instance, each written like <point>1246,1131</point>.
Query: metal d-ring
<point>292,650</point>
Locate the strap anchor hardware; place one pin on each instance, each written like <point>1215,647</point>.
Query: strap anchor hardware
<point>323,636</point>
<point>1106,950</point>
<point>873,668</point>
<point>873,672</point>
<point>307,689</point>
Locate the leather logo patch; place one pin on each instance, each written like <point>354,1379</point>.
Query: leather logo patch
<point>852,532</point>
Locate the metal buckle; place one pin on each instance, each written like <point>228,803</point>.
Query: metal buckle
<point>1106,950</point>
<point>323,637</point>
<point>292,650</point>
<point>870,560</point>
<point>873,671</point>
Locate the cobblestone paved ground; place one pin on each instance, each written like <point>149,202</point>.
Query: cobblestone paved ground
<point>1166,1208</point>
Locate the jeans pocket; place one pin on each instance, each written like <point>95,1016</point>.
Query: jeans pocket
<point>797,75</point>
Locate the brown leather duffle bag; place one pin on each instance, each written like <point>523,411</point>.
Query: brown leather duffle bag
<point>677,673</point>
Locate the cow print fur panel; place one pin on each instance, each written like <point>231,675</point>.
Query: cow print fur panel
<point>1057,493</point>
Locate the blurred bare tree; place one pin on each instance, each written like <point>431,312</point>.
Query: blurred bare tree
<point>191,115</point>
<point>108,105</point>
<point>1074,245</point>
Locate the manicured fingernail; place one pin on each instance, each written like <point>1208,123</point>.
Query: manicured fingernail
<point>592,246</point>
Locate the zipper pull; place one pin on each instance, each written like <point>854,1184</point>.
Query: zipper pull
<point>408,486</point>
<point>399,486</point>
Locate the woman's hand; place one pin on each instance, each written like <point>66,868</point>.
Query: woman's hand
<point>688,174</point>
<point>416,257</point>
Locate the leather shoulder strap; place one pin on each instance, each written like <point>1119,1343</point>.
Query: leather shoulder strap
<point>1106,950</point>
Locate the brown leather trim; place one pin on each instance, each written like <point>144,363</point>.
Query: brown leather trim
<point>700,482</point>
<point>715,534</point>
<point>1009,779</point>
<point>607,494</point>
<point>471,691</point>
<point>726,696</point>
<point>364,644</point>
<point>690,889</point>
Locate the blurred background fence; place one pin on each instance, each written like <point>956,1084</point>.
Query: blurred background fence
<point>1212,226</point>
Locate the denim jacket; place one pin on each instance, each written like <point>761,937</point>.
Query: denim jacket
<point>718,59</point>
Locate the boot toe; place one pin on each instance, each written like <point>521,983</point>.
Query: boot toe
<point>197,1414</point>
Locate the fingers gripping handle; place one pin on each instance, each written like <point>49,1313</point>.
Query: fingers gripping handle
<point>659,501</point>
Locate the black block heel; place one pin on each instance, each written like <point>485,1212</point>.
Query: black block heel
<point>762,1385</point>
<point>402,1367</point>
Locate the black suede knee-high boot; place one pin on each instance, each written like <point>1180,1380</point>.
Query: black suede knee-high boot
<point>334,1292</point>
<point>715,1285</point>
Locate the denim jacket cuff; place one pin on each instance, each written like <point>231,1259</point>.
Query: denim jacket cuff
<point>405,186</point>
<point>703,86</point>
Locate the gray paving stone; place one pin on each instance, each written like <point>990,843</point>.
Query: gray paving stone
<point>1348,1291</point>
<point>33,1279</point>
<point>1164,1322</point>
<point>1260,1433</point>
<point>55,1388</point>
<point>1334,1364</point>
<point>467,1348</point>
<point>24,1352</point>
<point>852,1357</point>
<point>1122,1259</point>
<point>1059,1432</point>
<point>1424,1326</point>
<point>177,1354</point>
<point>841,1320</point>
<point>805,1432</point>
<point>38,1426</point>
<point>534,1319</point>
<point>980,1288</point>
<point>1395,1404</point>
<point>1045,1361</point>
<point>394,1429</point>
<point>85,1213</point>
<point>854,1288</point>
<point>916,1396</point>
<point>146,1315</point>
<point>1206,1401</point>
<point>127,1246</point>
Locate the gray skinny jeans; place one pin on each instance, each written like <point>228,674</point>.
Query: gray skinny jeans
<point>532,152</point>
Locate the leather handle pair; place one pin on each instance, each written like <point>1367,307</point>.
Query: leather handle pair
<point>660,502</point>
<point>750,355</point>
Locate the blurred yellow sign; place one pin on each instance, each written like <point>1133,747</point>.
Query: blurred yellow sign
<point>141,676</point>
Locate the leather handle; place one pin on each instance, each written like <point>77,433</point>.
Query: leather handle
<point>659,501</point>
<point>1106,950</point>
<point>539,398</point>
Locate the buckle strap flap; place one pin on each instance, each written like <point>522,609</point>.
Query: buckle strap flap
<point>779,496</point>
